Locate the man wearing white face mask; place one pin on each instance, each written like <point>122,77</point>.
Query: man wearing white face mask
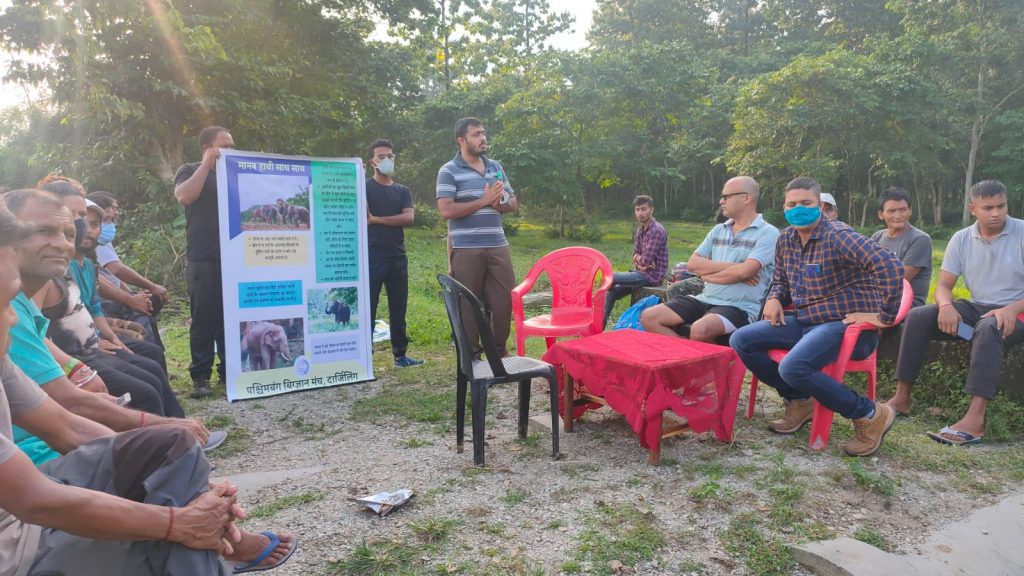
<point>388,210</point>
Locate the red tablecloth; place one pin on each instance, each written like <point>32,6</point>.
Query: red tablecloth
<point>640,375</point>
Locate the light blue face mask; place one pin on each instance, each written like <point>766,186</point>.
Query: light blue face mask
<point>801,216</point>
<point>107,233</point>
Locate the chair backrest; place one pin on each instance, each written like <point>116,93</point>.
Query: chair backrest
<point>457,299</point>
<point>572,272</point>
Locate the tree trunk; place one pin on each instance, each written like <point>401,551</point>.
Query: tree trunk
<point>937,203</point>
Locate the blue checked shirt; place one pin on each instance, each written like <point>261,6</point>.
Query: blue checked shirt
<point>651,243</point>
<point>839,271</point>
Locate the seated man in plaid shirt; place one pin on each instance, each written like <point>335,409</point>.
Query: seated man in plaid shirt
<point>833,276</point>
<point>650,256</point>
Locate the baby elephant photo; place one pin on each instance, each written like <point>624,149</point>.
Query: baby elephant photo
<point>269,344</point>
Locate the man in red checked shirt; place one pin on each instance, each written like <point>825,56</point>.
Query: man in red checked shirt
<point>832,276</point>
<point>650,256</point>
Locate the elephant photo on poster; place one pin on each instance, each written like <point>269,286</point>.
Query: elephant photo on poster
<point>333,310</point>
<point>270,344</point>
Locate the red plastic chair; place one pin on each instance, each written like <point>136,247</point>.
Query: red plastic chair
<point>821,424</point>
<point>576,308</point>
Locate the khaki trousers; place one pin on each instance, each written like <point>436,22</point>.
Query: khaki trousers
<point>488,274</point>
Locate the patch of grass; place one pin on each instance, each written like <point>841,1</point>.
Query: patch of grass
<point>512,563</point>
<point>427,403</point>
<point>554,525</point>
<point>705,491</point>
<point>290,501</point>
<point>785,503</point>
<point>434,530</point>
<point>762,554</point>
<point>313,430</point>
<point>219,422</point>
<point>871,536</point>
<point>875,482</point>
<point>618,532</point>
<point>690,566</point>
<point>571,567</point>
<point>585,471</point>
<point>237,442</point>
<point>378,559</point>
<point>494,529</point>
<point>514,497</point>
<point>814,531</point>
<point>414,442</point>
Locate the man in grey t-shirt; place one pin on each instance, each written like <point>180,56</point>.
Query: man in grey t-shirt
<point>473,193</point>
<point>912,246</point>
<point>989,255</point>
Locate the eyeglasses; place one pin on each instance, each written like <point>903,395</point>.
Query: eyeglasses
<point>725,197</point>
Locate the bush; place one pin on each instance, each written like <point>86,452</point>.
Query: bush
<point>158,253</point>
<point>590,233</point>
<point>427,216</point>
<point>511,226</point>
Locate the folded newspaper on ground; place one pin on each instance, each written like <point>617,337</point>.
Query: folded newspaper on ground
<point>384,503</point>
<point>381,332</point>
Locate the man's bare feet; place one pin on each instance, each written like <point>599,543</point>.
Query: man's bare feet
<point>900,406</point>
<point>252,545</point>
<point>969,425</point>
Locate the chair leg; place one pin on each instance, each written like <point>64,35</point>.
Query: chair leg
<point>821,427</point>
<point>872,379</point>
<point>553,391</point>
<point>753,397</point>
<point>524,407</point>
<point>550,342</point>
<point>478,397</point>
<point>520,343</point>
<point>460,411</point>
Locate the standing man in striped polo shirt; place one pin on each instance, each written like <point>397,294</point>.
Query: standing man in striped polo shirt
<point>473,192</point>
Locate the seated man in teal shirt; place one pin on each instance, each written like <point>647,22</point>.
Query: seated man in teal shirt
<point>51,246</point>
<point>735,261</point>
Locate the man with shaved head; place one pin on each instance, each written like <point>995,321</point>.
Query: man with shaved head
<point>735,261</point>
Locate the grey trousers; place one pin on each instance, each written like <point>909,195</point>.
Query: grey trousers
<point>162,466</point>
<point>987,345</point>
<point>488,274</point>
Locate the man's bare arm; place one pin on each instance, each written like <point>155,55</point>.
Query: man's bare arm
<point>188,191</point>
<point>701,266</point>
<point>128,275</point>
<point>60,429</point>
<point>735,273</point>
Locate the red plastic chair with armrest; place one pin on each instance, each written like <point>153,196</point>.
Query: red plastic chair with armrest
<point>576,308</point>
<point>821,424</point>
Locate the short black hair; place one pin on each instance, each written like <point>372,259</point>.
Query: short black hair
<point>893,194</point>
<point>104,199</point>
<point>804,183</point>
<point>380,143</point>
<point>988,189</point>
<point>12,232</point>
<point>16,199</point>
<point>209,134</point>
<point>462,125</point>
<point>61,186</point>
<point>643,200</point>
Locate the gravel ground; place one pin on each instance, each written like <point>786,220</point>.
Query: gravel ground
<point>529,514</point>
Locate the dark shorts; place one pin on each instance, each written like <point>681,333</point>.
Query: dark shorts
<point>691,309</point>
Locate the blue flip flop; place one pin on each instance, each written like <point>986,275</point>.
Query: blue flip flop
<point>275,541</point>
<point>962,438</point>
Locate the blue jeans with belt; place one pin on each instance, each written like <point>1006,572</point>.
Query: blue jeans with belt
<point>811,348</point>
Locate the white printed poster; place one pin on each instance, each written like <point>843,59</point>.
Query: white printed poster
<point>294,269</point>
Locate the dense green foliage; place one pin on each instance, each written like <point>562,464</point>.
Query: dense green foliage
<point>670,98</point>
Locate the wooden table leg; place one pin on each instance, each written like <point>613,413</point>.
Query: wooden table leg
<point>567,400</point>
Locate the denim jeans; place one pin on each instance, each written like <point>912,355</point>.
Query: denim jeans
<point>811,348</point>
<point>622,285</point>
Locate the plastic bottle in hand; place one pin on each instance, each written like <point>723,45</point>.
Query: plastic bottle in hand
<point>500,177</point>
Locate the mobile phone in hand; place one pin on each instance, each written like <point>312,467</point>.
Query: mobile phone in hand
<point>964,331</point>
<point>124,399</point>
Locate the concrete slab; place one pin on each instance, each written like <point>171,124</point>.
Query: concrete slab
<point>986,542</point>
<point>256,480</point>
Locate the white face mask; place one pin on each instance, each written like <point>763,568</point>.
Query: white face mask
<point>386,166</point>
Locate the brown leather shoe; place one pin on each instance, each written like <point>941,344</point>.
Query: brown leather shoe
<point>798,413</point>
<point>868,433</point>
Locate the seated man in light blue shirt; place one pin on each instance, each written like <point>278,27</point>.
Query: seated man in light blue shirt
<point>735,261</point>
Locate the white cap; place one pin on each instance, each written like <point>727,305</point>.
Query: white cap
<point>90,205</point>
<point>828,199</point>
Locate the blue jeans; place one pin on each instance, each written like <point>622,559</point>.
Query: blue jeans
<point>622,285</point>
<point>811,348</point>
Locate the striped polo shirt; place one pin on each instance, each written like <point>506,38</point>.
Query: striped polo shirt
<point>757,242</point>
<point>461,182</point>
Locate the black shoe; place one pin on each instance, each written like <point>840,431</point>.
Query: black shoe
<point>406,362</point>
<point>201,388</point>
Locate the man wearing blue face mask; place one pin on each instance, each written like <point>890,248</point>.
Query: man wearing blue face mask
<point>832,276</point>
<point>117,278</point>
<point>388,210</point>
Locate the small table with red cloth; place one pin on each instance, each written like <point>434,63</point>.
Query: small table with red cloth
<point>640,375</point>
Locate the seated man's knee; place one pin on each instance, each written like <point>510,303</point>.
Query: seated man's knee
<point>707,329</point>
<point>795,370</point>
<point>987,328</point>
<point>653,316</point>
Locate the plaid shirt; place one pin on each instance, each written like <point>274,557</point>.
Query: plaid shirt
<point>651,243</point>
<point>837,272</point>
